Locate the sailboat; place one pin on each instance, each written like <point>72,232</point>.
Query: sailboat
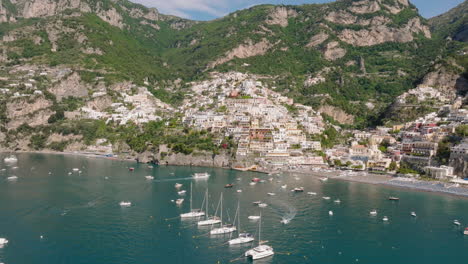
<point>225,229</point>
<point>209,220</point>
<point>243,237</point>
<point>261,251</point>
<point>193,213</point>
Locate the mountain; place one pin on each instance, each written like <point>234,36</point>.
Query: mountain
<point>347,59</point>
<point>453,23</point>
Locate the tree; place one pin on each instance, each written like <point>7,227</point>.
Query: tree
<point>393,166</point>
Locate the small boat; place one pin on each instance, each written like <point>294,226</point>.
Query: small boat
<point>284,186</point>
<point>230,185</point>
<point>373,212</point>
<point>262,181</point>
<point>69,173</point>
<point>131,169</point>
<point>300,189</point>
<point>10,159</point>
<point>385,219</point>
<point>179,201</point>
<point>312,193</point>
<point>324,179</point>
<point>271,194</point>
<point>257,202</point>
<point>243,238</point>
<point>203,175</point>
<point>12,178</point>
<point>125,204</point>
<point>3,241</point>
<point>255,180</point>
<point>150,167</point>
<point>262,205</point>
<point>252,183</point>
<point>226,229</point>
<point>75,169</point>
<point>149,177</point>
<point>181,192</point>
<point>285,221</point>
<point>393,198</point>
<point>178,185</point>
<point>413,214</point>
<point>330,213</point>
<point>456,222</point>
<point>14,168</point>
<point>239,191</point>
<point>337,201</point>
<point>254,217</point>
<point>465,232</point>
<point>326,198</point>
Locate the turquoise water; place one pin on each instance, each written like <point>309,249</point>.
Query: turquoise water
<point>80,220</point>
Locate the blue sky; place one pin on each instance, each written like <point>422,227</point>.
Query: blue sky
<point>211,9</point>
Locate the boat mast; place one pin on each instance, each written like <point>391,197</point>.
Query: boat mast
<point>207,195</point>
<point>221,208</point>
<point>260,229</point>
<point>191,197</point>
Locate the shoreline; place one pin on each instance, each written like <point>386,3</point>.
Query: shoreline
<point>361,177</point>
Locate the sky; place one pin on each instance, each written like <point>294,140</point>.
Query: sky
<point>211,9</point>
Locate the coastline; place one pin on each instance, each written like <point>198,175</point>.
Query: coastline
<point>361,177</point>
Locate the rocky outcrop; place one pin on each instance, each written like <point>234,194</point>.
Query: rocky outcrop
<point>205,159</point>
<point>446,81</point>
<point>280,16</point>
<point>333,51</point>
<point>317,40</point>
<point>112,17</point>
<point>44,8</point>
<point>100,103</point>
<point>71,86</point>
<point>32,111</point>
<point>246,50</point>
<point>337,114</point>
<point>345,18</point>
<point>365,7</point>
<point>381,34</point>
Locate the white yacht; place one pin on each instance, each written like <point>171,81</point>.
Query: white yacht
<point>243,238</point>
<point>373,212</point>
<point>178,185</point>
<point>225,229</point>
<point>10,159</point>
<point>194,213</point>
<point>261,251</point>
<point>210,220</point>
<point>330,213</point>
<point>385,219</point>
<point>202,175</point>
<point>125,204</point>
<point>456,222</point>
<point>413,214</point>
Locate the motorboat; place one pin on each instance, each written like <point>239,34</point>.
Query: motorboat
<point>193,212</point>
<point>149,177</point>
<point>324,179</point>
<point>326,198</point>
<point>284,186</point>
<point>373,212</point>
<point>125,204</point>
<point>393,198</point>
<point>465,232</point>
<point>3,241</point>
<point>255,180</point>
<point>254,217</point>
<point>385,219</point>
<point>178,185</point>
<point>239,191</point>
<point>12,178</point>
<point>262,205</point>
<point>202,175</point>
<point>243,238</point>
<point>179,201</point>
<point>300,189</point>
<point>230,185</point>
<point>337,201</point>
<point>456,222</point>
<point>260,251</point>
<point>312,193</point>
<point>271,194</point>
<point>182,192</point>
<point>257,202</point>
<point>10,159</point>
<point>330,213</point>
<point>131,169</point>
<point>285,221</point>
<point>252,183</point>
<point>223,230</point>
<point>75,169</point>
<point>413,214</point>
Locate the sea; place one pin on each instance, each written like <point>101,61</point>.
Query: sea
<point>52,214</point>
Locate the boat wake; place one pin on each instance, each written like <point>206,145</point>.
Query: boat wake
<point>287,211</point>
<point>175,179</point>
